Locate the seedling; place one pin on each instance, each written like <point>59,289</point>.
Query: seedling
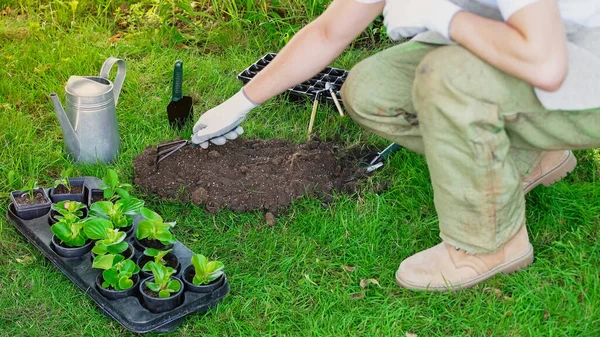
<point>71,210</point>
<point>70,232</point>
<point>120,213</point>
<point>29,188</point>
<point>206,271</point>
<point>110,240</point>
<point>158,256</point>
<point>113,189</point>
<point>153,228</point>
<point>163,284</point>
<point>63,180</point>
<point>117,272</point>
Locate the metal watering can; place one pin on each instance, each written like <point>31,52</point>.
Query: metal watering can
<point>89,124</point>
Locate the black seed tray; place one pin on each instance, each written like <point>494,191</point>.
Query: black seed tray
<point>304,90</point>
<point>127,311</point>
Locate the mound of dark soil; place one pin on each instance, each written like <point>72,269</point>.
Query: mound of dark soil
<point>249,174</point>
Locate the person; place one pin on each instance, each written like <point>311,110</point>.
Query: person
<point>494,93</point>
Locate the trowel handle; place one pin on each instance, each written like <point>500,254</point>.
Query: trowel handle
<point>119,78</point>
<point>177,81</point>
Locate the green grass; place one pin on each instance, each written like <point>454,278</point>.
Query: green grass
<point>286,280</point>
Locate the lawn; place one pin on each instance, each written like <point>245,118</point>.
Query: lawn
<point>293,278</point>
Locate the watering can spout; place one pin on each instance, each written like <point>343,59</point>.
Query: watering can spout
<point>69,134</point>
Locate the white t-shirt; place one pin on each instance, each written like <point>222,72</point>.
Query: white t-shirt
<point>580,12</point>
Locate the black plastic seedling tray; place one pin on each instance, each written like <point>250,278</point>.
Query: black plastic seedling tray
<point>306,89</point>
<point>127,311</point>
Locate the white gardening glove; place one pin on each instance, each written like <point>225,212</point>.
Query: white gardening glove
<point>407,18</point>
<point>220,124</point>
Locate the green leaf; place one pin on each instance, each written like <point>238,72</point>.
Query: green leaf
<point>159,272</point>
<point>214,266</point>
<point>197,280</point>
<point>101,208</point>
<point>117,248</point>
<point>146,267</point>
<point>150,215</point>
<point>151,252</point>
<point>174,285</point>
<point>166,238</point>
<point>62,231</point>
<point>111,179</point>
<point>199,262</point>
<point>108,193</point>
<point>129,266</point>
<point>122,193</point>
<point>164,294</point>
<point>118,259</point>
<point>153,286</point>
<point>99,249</point>
<point>125,283</point>
<point>144,229</point>
<point>111,276</point>
<point>103,261</point>
<point>96,228</point>
<point>130,206</point>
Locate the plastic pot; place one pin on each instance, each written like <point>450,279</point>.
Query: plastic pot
<point>71,251</point>
<point>69,196</point>
<point>170,258</point>
<point>28,212</point>
<point>143,244</point>
<point>127,254</point>
<point>114,294</point>
<point>188,276</point>
<point>52,218</point>
<point>95,194</point>
<point>157,304</point>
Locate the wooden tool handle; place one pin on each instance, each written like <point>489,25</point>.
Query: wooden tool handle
<point>337,103</point>
<point>313,114</point>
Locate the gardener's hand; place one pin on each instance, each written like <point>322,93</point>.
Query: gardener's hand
<point>220,124</point>
<point>406,18</point>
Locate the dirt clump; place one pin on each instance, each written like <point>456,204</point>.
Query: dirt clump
<point>246,175</point>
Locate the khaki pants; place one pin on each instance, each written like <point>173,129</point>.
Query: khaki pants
<point>480,129</point>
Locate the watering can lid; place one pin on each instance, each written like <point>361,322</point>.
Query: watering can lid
<point>87,86</point>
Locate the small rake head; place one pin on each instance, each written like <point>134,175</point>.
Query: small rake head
<point>163,151</point>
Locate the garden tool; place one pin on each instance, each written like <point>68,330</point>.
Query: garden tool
<point>89,123</point>
<point>329,87</point>
<point>163,151</point>
<point>180,109</point>
<point>314,110</point>
<point>374,161</point>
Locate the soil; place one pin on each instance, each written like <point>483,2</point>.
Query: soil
<point>97,197</point>
<point>24,200</point>
<point>75,189</point>
<point>153,244</point>
<point>251,174</point>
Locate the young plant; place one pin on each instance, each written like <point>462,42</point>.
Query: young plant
<point>117,272</point>
<point>158,255</point>
<point>153,228</point>
<point>206,271</point>
<point>112,188</point>
<point>68,209</point>
<point>110,240</point>
<point>29,188</point>
<point>70,232</point>
<point>63,180</point>
<point>120,213</point>
<point>163,284</point>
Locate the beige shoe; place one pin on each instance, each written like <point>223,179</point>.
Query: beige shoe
<point>554,166</point>
<point>444,268</point>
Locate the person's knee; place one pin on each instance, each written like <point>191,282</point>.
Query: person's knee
<point>435,76</point>
<point>355,91</point>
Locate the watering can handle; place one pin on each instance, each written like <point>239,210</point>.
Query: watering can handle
<point>118,82</point>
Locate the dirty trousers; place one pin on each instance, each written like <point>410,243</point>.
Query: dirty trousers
<point>480,129</point>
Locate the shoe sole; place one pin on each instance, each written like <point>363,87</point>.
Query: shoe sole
<point>510,267</point>
<point>566,166</point>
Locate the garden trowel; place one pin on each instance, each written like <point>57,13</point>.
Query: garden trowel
<point>180,110</point>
